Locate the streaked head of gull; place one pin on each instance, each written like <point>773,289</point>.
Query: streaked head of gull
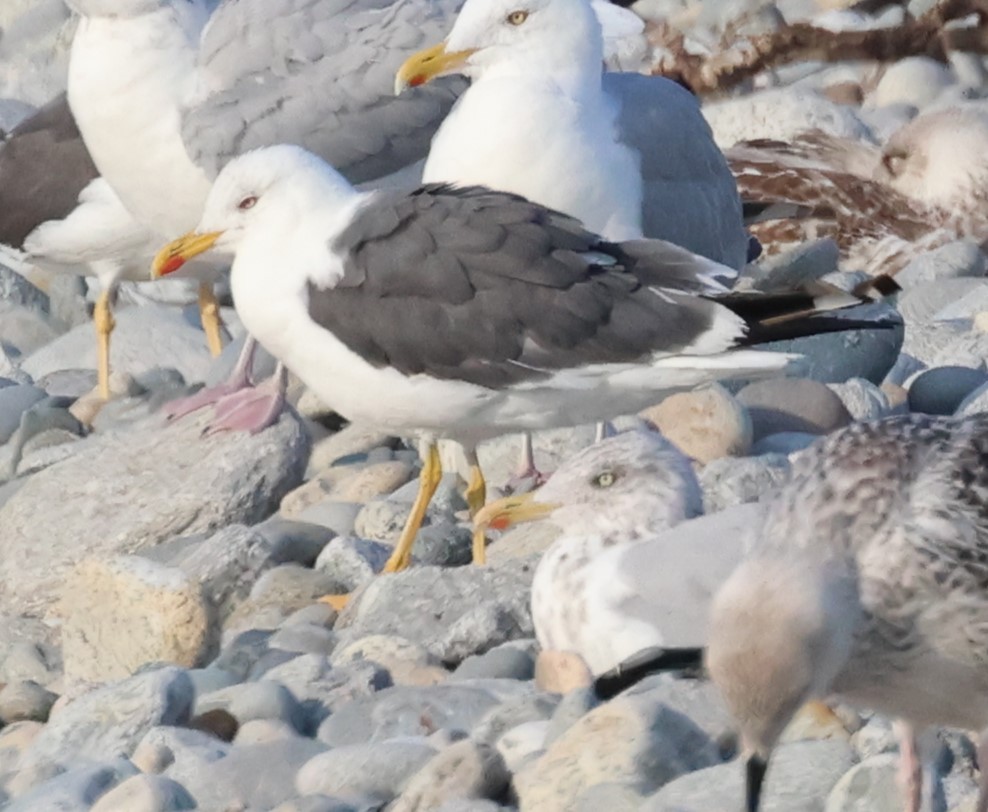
<point>266,194</point>
<point>781,629</point>
<point>622,488</point>
<point>939,157</point>
<point>512,38</point>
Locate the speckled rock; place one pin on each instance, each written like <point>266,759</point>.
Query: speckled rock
<point>629,740</point>
<point>381,770</point>
<point>348,562</point>
<point>136,488</point>
<point>110,721</point>
<point>802,775</point>
<point>408,663</point>
<point>125,611</point>
<point>464,770</point>
<point>411,711</point>
<point>957,259</point>
<point>704,424</point>
<point>862,399</point>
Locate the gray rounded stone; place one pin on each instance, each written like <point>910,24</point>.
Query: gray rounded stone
<point>381,770</point>
<point>305,639</point>
<point>349,562</point>
<point>14,401</point>
<point>784,442</point>
<point>943,389</point>
<point>255,700</point>
<point>793,404</point>
<point>25,702</point>
<point>502,662</point>
<point>146,793</point>
<point>464,770</point>
<point>870,786</point>
<point>956,259</point>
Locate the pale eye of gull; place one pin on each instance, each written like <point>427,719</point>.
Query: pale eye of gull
<point>247,203</point>
<point>604,480</point>
<point>517,17</point>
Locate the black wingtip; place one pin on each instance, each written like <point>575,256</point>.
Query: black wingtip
<point>878,287</point>
<point>650,661</point>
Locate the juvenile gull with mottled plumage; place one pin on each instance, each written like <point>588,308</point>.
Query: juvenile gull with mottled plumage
<point>467,313</point>
<point>868,581</point>
<point>601,589</point>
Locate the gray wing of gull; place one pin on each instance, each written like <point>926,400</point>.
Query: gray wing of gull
<point>674,576</point>
<point>693,200</point>
<point>320,74</point>
<point>490,288</point>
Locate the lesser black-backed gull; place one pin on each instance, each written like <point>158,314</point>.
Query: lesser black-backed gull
<point>868,581</point>
<point>467,313</point>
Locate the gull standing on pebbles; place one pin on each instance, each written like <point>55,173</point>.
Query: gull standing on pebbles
<point>164,99</point>
<point>465,313</point>
<point>869,582</point>
<point>618,494</point>
<point>627,155</point>
<point>64,218</point>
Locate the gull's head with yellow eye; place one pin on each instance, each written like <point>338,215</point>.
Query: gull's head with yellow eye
<point>510,38</point>
<point>628,485</point>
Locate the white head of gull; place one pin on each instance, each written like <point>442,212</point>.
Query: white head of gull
<point>465,313</point>
<point>625,154</point>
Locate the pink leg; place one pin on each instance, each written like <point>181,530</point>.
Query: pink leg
<point>527,476</point>
<point>239,380</point>
<point>910,766</point>
<point>982,804</point>
<point>252,409</point>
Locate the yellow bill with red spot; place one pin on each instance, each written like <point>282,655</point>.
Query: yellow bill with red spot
<point>174,255</point>
<point>422,67</point>
<point>512,510</point>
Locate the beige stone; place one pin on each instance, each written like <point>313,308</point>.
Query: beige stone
<point>705,424</point>
<point>372,481</point>
<point>19,735</point>
<point>407,662</point>
<point>560,672</point>
<point>464,770</point>
<point>305,495</point>
<point>354,439</point>
<point>523,541</point>
<point>632,739</point>
<point>123,612</point>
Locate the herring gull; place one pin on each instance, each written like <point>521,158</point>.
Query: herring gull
<point>463,313</point>
<point>868,581</point>
<point>58,212</point>
<point>165,94</point>
<point>611,499</point>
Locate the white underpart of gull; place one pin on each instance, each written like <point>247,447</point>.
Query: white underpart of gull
<point>868,582</point>
<point>616,495</point>
<point>467,313</point>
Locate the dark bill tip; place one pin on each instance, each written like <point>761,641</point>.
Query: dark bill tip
<point>755,770</point>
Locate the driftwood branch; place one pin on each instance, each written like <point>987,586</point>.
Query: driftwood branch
<point>927,35</point>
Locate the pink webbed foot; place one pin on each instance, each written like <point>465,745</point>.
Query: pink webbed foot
<point>252,409</point>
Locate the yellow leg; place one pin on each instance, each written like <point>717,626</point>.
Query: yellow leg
<point>432,473</point>
<point>209,313</point>
<point>476,496</point>
<point>103,319</point>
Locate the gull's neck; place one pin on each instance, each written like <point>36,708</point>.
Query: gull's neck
<point>128,80</point>
<point>579,78</point>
